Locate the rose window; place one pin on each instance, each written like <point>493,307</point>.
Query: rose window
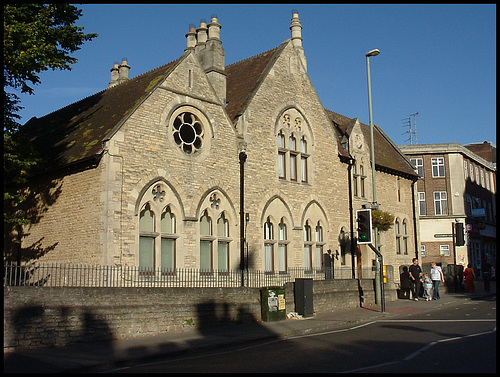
<point>188,132</point>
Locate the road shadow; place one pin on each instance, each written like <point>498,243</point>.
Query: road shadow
<point>93,346</point>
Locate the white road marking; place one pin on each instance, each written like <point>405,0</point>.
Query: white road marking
<point>409,357</point>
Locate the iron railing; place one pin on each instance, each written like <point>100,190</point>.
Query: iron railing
<point>76,275</point>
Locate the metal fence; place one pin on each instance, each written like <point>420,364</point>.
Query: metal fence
<point>75,275</point>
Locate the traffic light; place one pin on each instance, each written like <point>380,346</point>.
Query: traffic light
<point>459,234</point>
<point>364,220</point>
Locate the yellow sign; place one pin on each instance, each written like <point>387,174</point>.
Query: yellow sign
<point>281,302</point>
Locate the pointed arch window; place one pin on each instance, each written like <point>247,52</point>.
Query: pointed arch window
<point>282,247</point>
<point>308,247</point>
<point>293,151</point>
<point>223,243</point>
<point>206,243</point>
<point>293,157</point>
<point>404,236</point>
<point>397,232</point>
<point>362,177</point>
<point>319,247</point>
<point>147,239</point>
<point>269,242</point>
<point>304,156</point>
<point>168,237</point>
<point>281,155</point>
<point>157,240</point>
<point>355,180</point>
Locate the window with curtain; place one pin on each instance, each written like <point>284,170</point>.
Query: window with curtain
<point>437,167</point>
<point>440,203</point>
<point>422,205</point>
<point>419,165</point>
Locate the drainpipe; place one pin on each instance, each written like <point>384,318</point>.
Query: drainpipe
<point>242,158</point>
<point>352,161</point>
<point>415,218</point>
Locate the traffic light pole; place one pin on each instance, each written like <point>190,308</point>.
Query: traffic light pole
<point>380,275</point>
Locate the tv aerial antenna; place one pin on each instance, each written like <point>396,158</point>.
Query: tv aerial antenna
<point>411,131</point>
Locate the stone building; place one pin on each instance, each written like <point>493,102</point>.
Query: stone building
<point>455,186</point>
<point>183,165</point>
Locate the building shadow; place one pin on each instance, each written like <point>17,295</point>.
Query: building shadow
<point>36,330</point>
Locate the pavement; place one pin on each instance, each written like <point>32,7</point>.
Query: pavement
<point>109,355</point>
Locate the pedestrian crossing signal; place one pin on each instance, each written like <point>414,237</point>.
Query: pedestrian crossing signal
<point>364,220</point>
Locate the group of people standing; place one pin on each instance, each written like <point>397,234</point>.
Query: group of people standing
<point>430,282</point>
<point>413,278</point>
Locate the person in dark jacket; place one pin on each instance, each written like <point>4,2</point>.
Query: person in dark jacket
<point>415,278</point>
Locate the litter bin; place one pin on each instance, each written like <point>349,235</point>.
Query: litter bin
<point>273,306</point>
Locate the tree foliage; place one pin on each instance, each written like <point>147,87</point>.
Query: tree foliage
<point>37,37</point>
<point>383,221</point>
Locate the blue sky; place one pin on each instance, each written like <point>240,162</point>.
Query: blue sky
<point>437,60</point>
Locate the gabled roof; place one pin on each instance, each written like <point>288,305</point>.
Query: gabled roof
<point>76,132</point>
<point>387,155</point>
<point>244,78</point>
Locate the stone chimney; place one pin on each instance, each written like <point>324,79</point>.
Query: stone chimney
<point>123,71</point>
<point>201,36</point>
<point>114,75</point>
<point>296,28</point>
<point>212,56</point>
<point>191,38</point>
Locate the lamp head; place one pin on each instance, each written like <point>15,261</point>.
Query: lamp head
<point>373,52</point>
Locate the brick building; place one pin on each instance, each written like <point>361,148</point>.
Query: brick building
<point>455,185</point>
<point>149,172</point>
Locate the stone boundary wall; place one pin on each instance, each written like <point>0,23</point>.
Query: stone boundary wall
<point>58,316</point>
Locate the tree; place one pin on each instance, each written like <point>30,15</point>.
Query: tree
<point>383,221</point>
<point>37,37</point>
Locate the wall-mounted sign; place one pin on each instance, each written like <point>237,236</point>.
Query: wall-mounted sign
<point>478,212</point>
<point>442,235</point>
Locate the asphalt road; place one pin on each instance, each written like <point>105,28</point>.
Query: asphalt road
<point>458,338</point>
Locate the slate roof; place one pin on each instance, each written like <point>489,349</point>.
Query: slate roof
<point>387,155</point>
<point>244,78</point>
<point>75,133</point>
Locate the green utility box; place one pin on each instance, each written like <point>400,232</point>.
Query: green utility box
<point>273,306</point>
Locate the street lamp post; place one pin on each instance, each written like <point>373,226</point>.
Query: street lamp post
<point>368,55</point>
<point>379,296</point>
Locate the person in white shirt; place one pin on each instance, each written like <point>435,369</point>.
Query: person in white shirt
<point>437,277</point>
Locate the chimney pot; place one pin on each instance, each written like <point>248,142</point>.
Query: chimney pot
<point>123,70</point>
<point>191,38</point>
<point>201,32</point>
<point>114,75</point>
<point>214,28</point>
